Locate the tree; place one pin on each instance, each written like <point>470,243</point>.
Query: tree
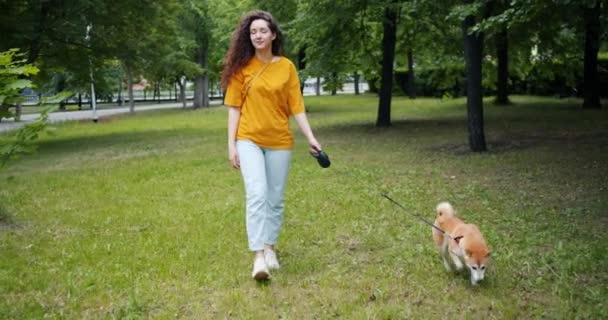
<point>116,27</point>
<point>502,74</point>
<point>591,93</point>
<point>201,24</point>
<point>322,37</point>
<point>501,39</point>
<point>419,28</point>
<point>388,57</point>
<point>473,55</point>
<point>473,46</point>
<point>226,16</point>
<point>554,40</point>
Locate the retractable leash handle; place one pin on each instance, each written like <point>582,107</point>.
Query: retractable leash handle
<point>322,158</point>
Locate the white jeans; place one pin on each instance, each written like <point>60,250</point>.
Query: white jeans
<point>264,173</point>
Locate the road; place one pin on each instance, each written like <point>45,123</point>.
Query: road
<point>60,116</point>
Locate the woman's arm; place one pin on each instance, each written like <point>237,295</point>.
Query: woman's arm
<point>234,115</point>
<point>302,121</point>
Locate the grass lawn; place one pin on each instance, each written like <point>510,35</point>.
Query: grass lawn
<point>142,217</point>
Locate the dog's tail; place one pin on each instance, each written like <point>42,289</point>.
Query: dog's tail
<point>444,211</point>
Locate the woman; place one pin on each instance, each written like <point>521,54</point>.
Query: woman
<point>262,91</point>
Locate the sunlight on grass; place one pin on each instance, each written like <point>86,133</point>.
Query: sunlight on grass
<point>142,217</point>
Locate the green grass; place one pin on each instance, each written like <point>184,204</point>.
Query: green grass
<point>142,217</point>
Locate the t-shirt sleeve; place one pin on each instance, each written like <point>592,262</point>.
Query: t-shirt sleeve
<point>295,101</point>
<point>234,91</point>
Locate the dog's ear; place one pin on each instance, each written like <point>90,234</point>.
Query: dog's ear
<point>457,239</point>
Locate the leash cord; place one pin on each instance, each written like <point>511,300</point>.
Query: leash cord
<point>417,216</point>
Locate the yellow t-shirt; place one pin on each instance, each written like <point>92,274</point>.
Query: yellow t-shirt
<point>273,96</point>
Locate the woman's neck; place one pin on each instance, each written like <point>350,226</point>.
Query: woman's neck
<point>264,55</point>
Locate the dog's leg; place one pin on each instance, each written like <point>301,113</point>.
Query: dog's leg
<point>446,264</point>
<point>457,263</point>
<point>443,252</point>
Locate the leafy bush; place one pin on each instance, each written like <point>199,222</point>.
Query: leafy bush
<point>23,140</point>
<point>12,82</point>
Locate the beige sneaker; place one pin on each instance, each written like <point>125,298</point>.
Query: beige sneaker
<point>271,259</point>
<point>260,270</point>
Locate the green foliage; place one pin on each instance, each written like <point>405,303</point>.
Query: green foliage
<point>12,145</point>
<point>12,69</point>
<point>461,11</point>
<point>23,140</point>
<point>327,30</point>
<point>161,41</point>
<point>437,80</point>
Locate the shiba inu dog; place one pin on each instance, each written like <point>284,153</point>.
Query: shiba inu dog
<point>463,245</point>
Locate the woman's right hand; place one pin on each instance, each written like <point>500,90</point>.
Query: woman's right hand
<point>233,156</point>
<point>234,114</point>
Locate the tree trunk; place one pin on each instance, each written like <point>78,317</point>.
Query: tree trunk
<point>301,58</point>
<point>356,78</point>
<point>18,112</point>
<point>59,87</point>
<point>157,91</point>
<point>302,64</point>
<point>502,76</point>
<point>197,100</point>
<point>130,89</point>
<point>473,46</point>
<point>411,77</point>
<point>389,39</point>
<point>334,82</point>
<point>201,82</point>
<point>120,91</point>
<point>318,87</point>
<point>182,91</point>
<point>206,88</point>
<point>79,101</point>
<point>35,45</point>
<point>591,88</point>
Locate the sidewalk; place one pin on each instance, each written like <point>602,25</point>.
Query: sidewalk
<point>60,116</point>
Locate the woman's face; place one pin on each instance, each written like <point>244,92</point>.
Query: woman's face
<point>260,34</point>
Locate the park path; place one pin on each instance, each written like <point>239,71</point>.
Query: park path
<point>60,116</point>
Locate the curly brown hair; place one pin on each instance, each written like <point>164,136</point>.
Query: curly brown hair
<point>241,49</point>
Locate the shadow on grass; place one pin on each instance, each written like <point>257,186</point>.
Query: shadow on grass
<point>414,126</point>
<point>500,137</point>
<point>7,220</point>
<point>263,283</point>
<point>523,141</point>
